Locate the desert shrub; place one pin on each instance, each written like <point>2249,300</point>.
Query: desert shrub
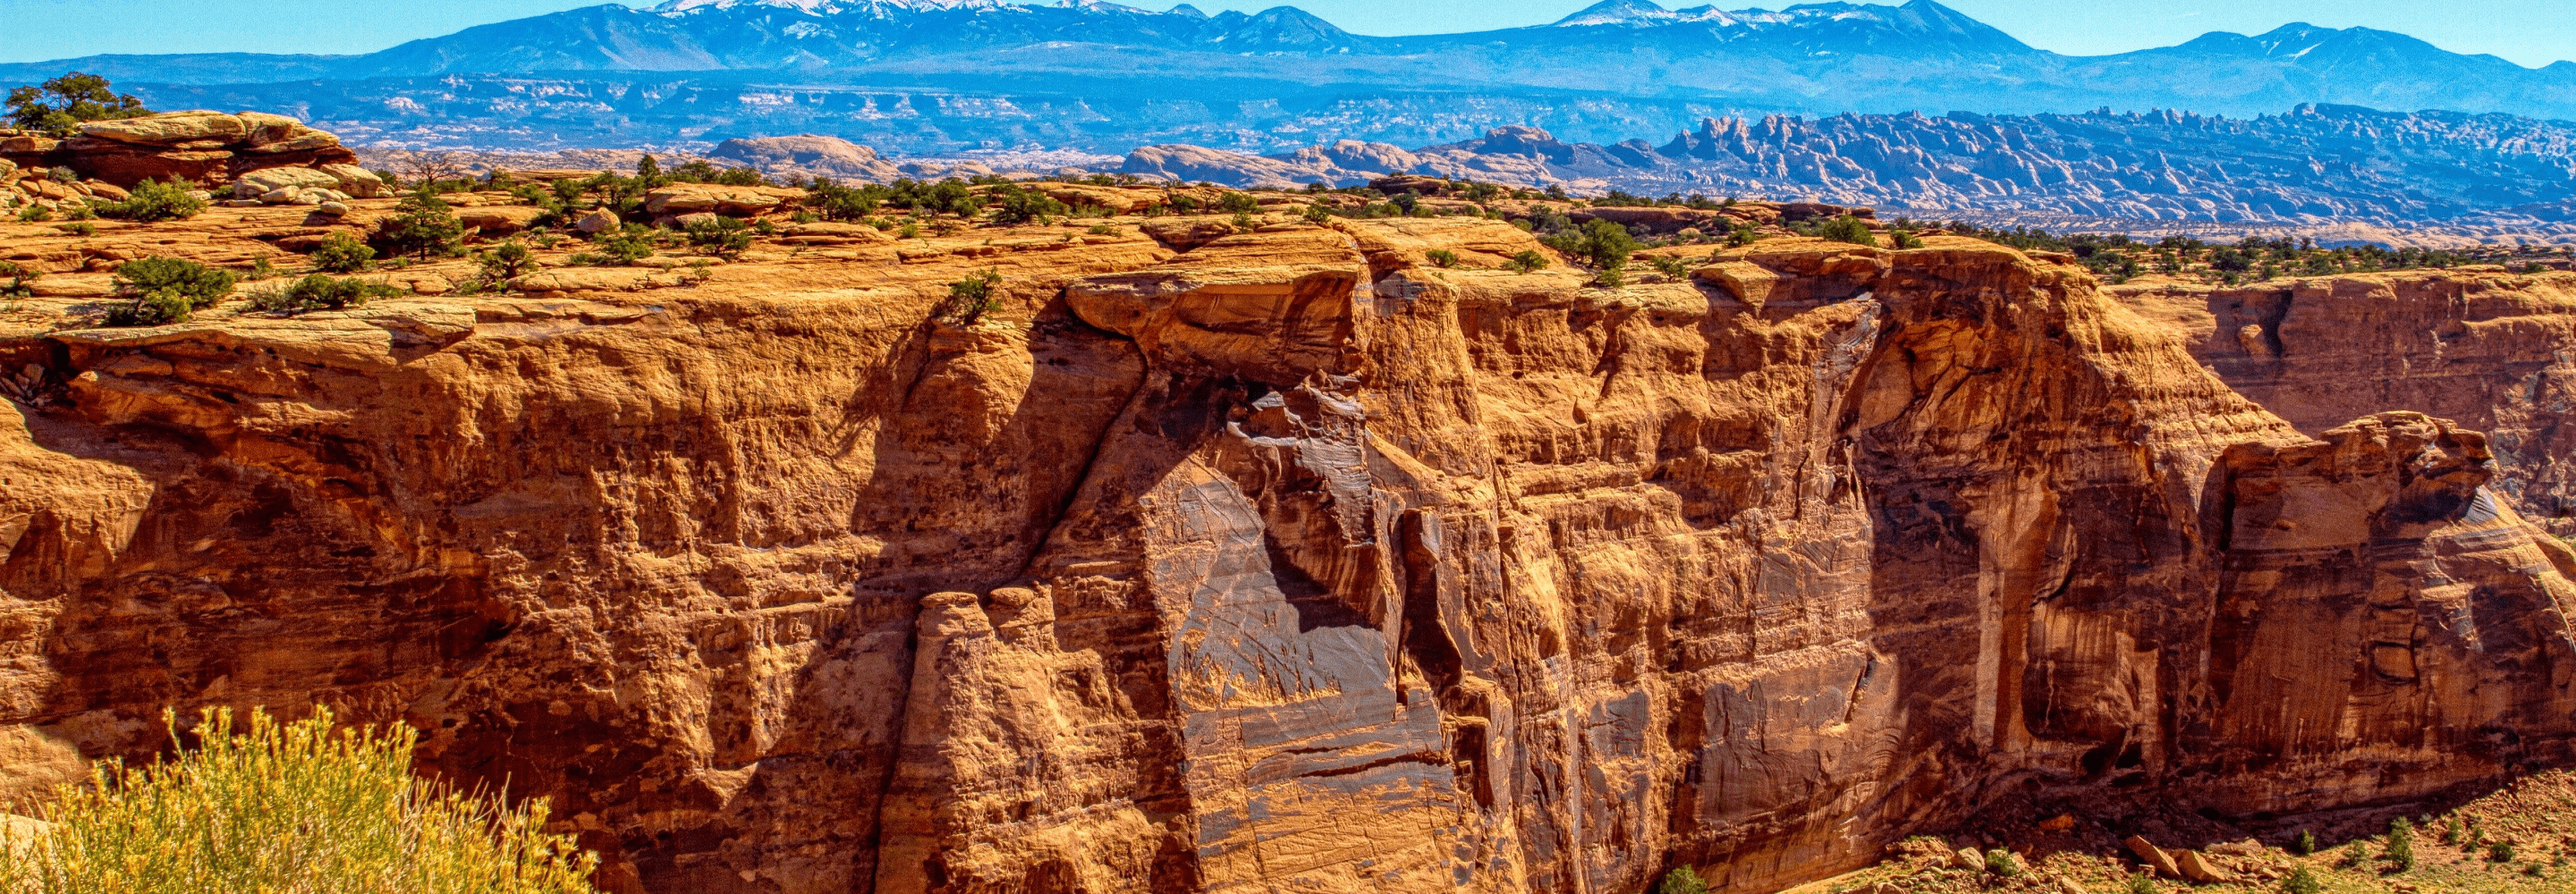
<point>1317,214</point>
<point>970,299</point>
<point>832,202</point>
<point>319,291</point>
<point>2303,881</point>
<point>1480,193</point>
<point>21,284</point>
<point>1238,203</point>
<point>165,290</point>
<point>741,177</point>
<point>2500,852</point>
<point>151,200</point>
<point>59,105</point>
<point>290,807</point>
<point>2001,863</point>
<point>1018,205</point>
<point>2305,844</point>
<point>2401,844</point>
<point>723,237</point>
<point>35,214</point>
<point>78,228</point>
<point>1682,880</point>
<point>1525,262</point>
<point>506,261</point>
<point>1441,257</point>
<point>422,225</point>
<point>950,196</point>
<point>1671,265</point>
<point>1103,230</point>
<point>2141,884</point>
<point>342,253</point>
<point>1847,229</point>
<point>1603,244</point>
<point>1610,278</point>
<point>1181,204</point>
<point>616,249</point>
<point>1243,223</point>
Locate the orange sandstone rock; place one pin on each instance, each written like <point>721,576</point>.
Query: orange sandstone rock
<point>1223,561</point>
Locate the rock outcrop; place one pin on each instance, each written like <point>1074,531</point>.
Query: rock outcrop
<point>808,155</point>
<point>2489,352</point>
<point>1274,560</point>
<point>202,147</point>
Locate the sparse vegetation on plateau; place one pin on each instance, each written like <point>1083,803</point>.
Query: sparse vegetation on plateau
<point>422,225</point>
<point>342,253</point>
<point>161,290</point>
<point>319,291</point>
<point>970,299</point>
<point>151,201</point>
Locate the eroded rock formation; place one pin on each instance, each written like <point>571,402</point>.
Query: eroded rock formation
<point>1289,559</point>
<point>2489,352</point>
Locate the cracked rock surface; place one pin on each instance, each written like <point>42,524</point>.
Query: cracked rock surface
<point>1290,560</point>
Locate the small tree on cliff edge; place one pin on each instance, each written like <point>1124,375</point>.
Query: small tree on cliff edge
<point>1682,880</point>
<point>61,104</point>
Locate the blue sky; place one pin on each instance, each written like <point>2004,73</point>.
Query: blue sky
<point>2531,32</point>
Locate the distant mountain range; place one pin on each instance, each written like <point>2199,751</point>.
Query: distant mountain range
<point>2491,174</point>
<point>929,75</point>
<point>1816,101</point>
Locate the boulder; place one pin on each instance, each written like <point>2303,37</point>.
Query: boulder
<point>257,184</point>
<point>691,198</point>
<point>262,128</point>
<point>298,139</point>
<point>499,220</point>
<point>1968,858</point>
<point>170,128</point>
<point>1413,183</point>
<point>830,233</point>
<point>301,195</point>
<point>332,209</point>
<point>355,180</point>
<point>686,221</point>
<point>108,191</point>
<point>1664,220</point>
<point>126,164</point>
<point>597,222</point>
<point>2202,869</point>
<point>1116,200</point>
<point>2153,857</point>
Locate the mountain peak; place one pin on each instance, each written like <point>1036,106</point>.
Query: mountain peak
<point>1619,12</point>
<point>830,7</point>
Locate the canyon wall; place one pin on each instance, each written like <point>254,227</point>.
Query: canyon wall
<point>2490,352</point>
<point>1291,559</point>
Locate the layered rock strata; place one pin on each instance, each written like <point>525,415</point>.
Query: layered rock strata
<point>2490,352</point>
<point>207,148</point>
<point>1239,562</point>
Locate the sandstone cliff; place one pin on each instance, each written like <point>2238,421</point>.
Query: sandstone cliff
<point>1265,561</point>
<point>2488,351</point>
